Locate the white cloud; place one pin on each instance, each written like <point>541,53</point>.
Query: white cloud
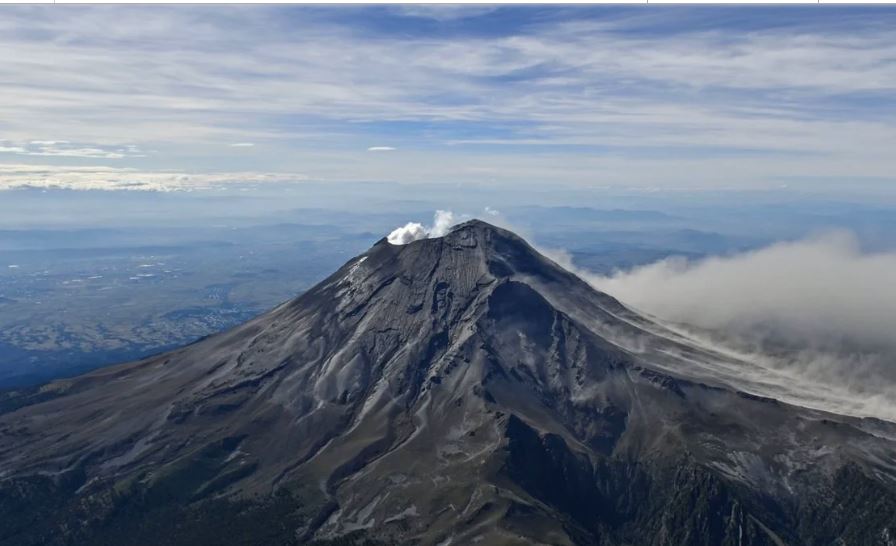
<point>64,148</point>
<point>242,145</point>
<point>822,287</point>
<point>15,176</point>
<point>93,153</point>
<point>673,97</point>
<point>817,316</point>
<point>443,12</point>
<point>380,149</point>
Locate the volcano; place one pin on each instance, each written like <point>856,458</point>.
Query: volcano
<point>454,390</point>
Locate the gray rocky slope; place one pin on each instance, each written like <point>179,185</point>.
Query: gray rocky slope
<point>455,390</point>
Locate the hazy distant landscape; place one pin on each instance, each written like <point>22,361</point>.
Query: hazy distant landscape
<point>88,290</point>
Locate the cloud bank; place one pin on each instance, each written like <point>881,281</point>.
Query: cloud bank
<point>822,287</point>
<point>20,176</point>
<point>64,148</point>
<point>414,231</point>
<point>820,311</point>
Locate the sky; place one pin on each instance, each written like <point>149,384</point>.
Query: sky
<point>637,97</point>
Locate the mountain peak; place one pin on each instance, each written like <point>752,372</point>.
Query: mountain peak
<point>471,250</point>
<point>479,227</point>
<point>470,230</point>
<point>475,223</point>
<point>467,371</point>
<point>485,233</point>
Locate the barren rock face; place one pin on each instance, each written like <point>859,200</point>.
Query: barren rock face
<point>453,390</point>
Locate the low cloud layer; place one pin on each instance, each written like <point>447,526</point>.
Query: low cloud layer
<point>820,287</point>
<point>64,148</point>
<point>413,231</point>
<point>821,311</point>
<point>18,176</point>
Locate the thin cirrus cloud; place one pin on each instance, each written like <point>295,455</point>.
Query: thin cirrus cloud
<point>64,148</point>
<point>18,176</point>
<point>690,95</point>
<point>380,149</point>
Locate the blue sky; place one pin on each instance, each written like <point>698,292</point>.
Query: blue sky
<point>640,97</point>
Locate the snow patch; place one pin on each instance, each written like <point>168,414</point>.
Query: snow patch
<point>409,512</point>
<point>351,276</point>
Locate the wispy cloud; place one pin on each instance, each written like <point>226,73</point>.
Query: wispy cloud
<point>18,176</point>
<point>380,149</point>
<point>242,145</point>
<point>64,148</point>
<point>697,97</point>
<point>443,12</point>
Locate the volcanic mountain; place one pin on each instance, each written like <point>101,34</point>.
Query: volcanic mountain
<point>454,390</point>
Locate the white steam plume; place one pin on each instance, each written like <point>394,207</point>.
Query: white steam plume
<point>441,223</point>
<point>413,231</point>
